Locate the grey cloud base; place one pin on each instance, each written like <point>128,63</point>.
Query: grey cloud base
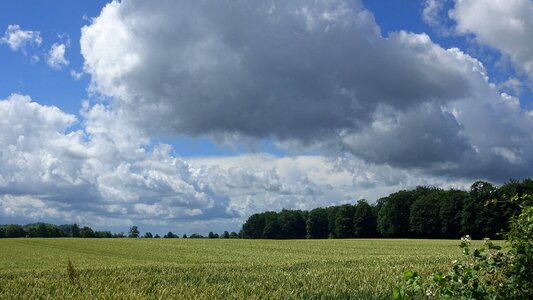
<point>288,69</point>
<point>313,74</point>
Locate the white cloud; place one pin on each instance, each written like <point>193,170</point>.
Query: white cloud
<point>433,15</point>
<point>56,57</point>
<point>503,25</point>
<point>309,74</point>
<point>17,39</point>
<point>76,75</point>
<point>300,71</point>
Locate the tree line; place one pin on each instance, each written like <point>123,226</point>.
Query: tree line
<point>51,230</point>
<point>424,212</point>
<point>45,230</point>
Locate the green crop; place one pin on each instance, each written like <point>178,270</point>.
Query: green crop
<point>212,268</point>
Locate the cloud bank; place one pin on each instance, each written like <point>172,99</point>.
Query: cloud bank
<point>106,175</point>
<point>302,73</point>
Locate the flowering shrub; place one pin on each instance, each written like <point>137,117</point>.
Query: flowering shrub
<point>490,272</point>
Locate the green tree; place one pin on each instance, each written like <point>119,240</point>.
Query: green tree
<point>332,216</point>
<point>292,223</point>
<point>393,215</point>
<point>475,216</point>
<point>211,235</point>
<point>225,235</point>
<point>317,224</point>
<point>87,232</point>
<point>134,232</point>
<point>75,230</point>
<point>344,221</point>
<point>272,229</point>
<point>148,235</point>
<point>424,216</point>
<point>253,227</point>
<point>169,235</point>
<point>42,230</point>
<point>450,207</point>
<point>364,220</point>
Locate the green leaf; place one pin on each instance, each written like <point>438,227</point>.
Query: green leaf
<point>438,277</point>
<point>409,275</point>
<point>396,294</point>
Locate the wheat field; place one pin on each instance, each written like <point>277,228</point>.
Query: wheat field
<point>213,268</point>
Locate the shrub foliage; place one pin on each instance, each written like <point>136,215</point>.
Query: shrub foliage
<point>489,272</point>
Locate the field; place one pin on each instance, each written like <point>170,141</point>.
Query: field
<point>211,269</point>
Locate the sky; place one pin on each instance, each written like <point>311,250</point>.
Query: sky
<point>189,116</point>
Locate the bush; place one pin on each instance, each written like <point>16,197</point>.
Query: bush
<point>490,272</point>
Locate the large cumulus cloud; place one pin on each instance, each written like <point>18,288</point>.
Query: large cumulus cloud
<point>311,73</point>
<point>288,69</point>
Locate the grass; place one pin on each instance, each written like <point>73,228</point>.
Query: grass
<point>213,269</point>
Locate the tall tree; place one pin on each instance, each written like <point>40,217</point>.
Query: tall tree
<point>332,216</point>
<point>475,219</point>
<point>169,235</point>
<point>364,220</point>
<point>272,229</point>
<point>344,221</point>
<point>75,230</point>
<point>253,227</point>
<point>134,232</point>
<point>317,224</point>
<point>424,216</point>
<point>292,223</point>
<point>451,205</point>
<point>393,215</point>
<point>87,232</point>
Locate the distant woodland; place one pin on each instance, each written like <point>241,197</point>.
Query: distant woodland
<point>424,212</point>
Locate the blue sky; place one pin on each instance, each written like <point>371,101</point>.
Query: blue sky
<point>190,117</point>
